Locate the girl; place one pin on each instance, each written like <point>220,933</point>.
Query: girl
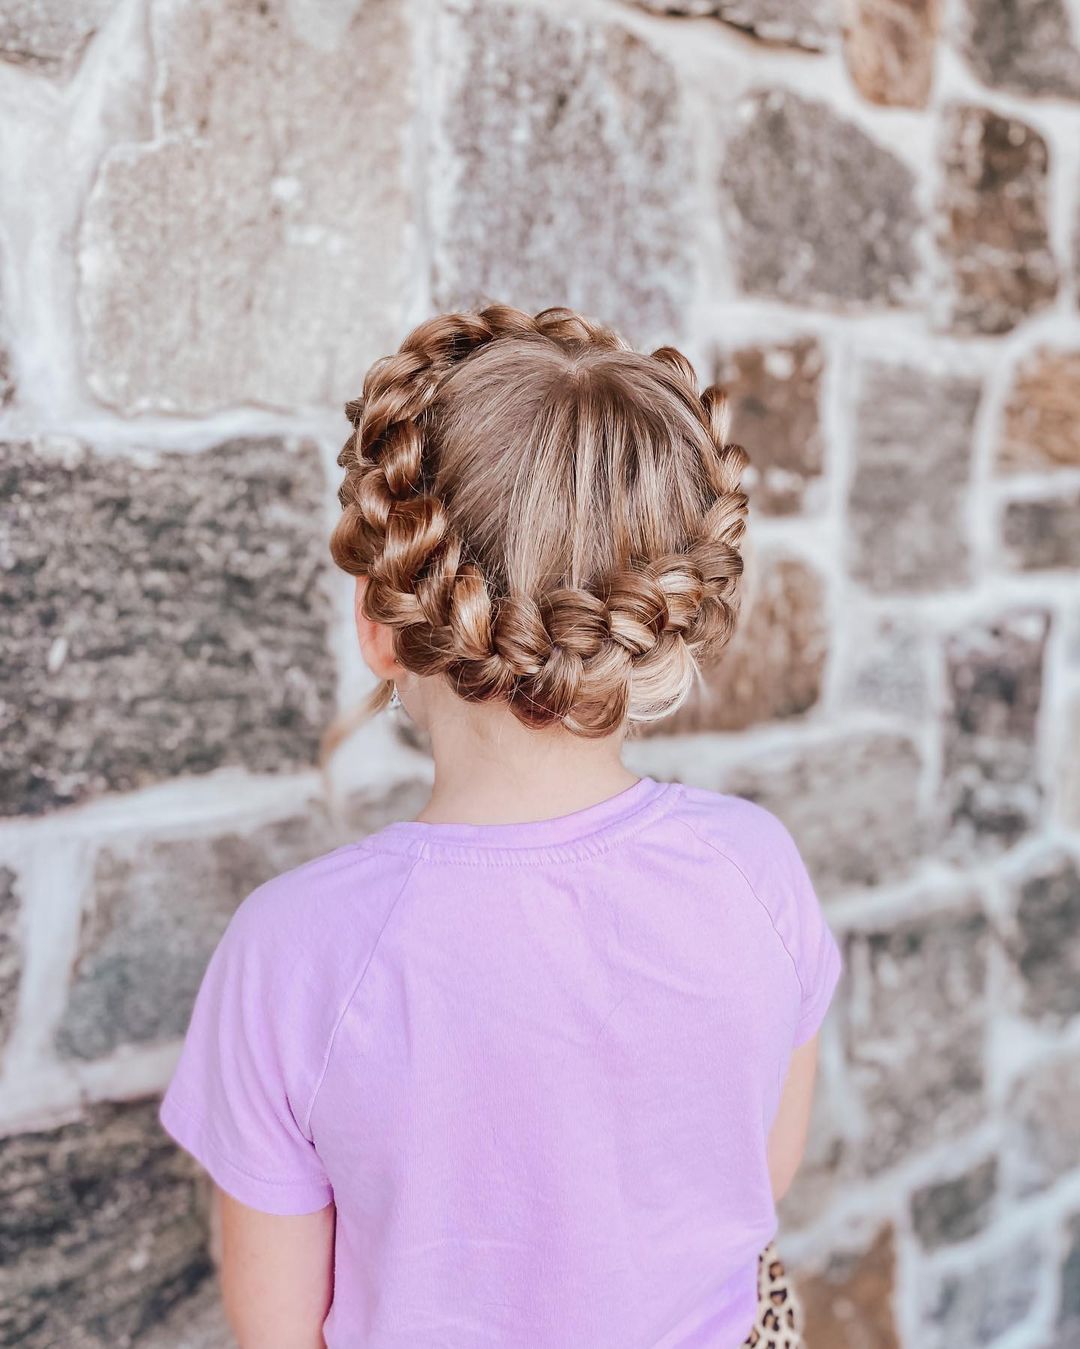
<point>530,1070</point>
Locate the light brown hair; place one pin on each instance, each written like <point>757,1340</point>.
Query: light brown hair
<point>545,516</point>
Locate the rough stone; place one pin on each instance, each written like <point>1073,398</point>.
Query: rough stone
<point>156,913</point>
<point>1041,427</point>
<point>852,805</point>
<point>1044,944</point>
<point>566,169</point>
<point>992,221</point>
<point>1068,1310</point>
<point>1024,46</point>
<point>774,665</point>
<point>161,617</point>
<point>977,1304</point>
<point>849,1302</point>
<point>947,1211</point>
<point>1044,533</point>
<point>10,953</point>
<point>198,1322</point>
<point>49,35</point>
<point>887,666</point>
<point>915,1030</point>
<point>991,791</point>
<point>255,250</point>
<point>1043,1123</point>
<point>1068,772</point>
<point>889,46</point>
<point>912,472</point>
<point>791,23</point>
<point>775,399</point>
<point>102,1231</point>
<point>816,211</point>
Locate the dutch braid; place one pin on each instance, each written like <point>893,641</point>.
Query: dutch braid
<point>626,641</point>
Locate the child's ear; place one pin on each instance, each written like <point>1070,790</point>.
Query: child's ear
<point>376,639</point>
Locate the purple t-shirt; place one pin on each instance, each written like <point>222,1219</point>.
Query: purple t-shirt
<point>533,1065</point>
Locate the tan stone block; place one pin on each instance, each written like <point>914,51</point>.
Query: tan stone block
<point>1041,426</point>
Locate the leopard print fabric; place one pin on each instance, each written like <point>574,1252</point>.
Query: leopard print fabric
<point>779,1317</point>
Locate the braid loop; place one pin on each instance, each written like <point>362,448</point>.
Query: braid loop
<point>586,655</point>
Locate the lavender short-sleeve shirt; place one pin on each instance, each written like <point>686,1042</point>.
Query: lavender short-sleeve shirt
<point>534,1066</point>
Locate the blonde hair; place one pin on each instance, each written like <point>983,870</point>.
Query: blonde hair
<point>546,517</point>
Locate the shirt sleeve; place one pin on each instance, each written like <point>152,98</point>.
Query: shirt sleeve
<point>237,1102</point>
<point>810,941</point>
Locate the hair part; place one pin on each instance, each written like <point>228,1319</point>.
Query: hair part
<point>546,517</point>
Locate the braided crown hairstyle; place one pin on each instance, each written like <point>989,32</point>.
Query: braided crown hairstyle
<point>545,517</point>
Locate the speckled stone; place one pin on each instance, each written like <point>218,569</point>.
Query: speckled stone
<point>816,212</point>
<point>849,1295</point>
<point>992,231</point>
<point>10,953</point>
<point>1041,424</point>
<point>163,615</point>
<point>944,1212</point>
<point>978,1304</point>
<point>102,1231</point>
<point>564,168</point>
<point>1043,1123</point>
<point>1043,533</point>
<point>1024,46</point>
<point>1044,941</point>
<point>49,35</point>
<point>790,23</point>
<point>256,250</point>
<point>889,46</point>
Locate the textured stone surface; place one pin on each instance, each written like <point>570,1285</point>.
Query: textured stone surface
<point>992,794</point>
<point>49,34</point>
<point>886,665</point>
<point>912,471</point>
<point>1043,1123</point>
<point>1068,1310</point>
<point>10,953</point>
<point>196,1323</point>
<point>1045,942</point>
<point>774,665</point>
<point>158,907</point>
<point>1043,533</point>
<point>977,1305</point>
<point>775,394</point>
<point>816,211</point>
<point>947,1211</point>
<point>794,23</point>
<point>889,46</point>
<point>1025,46</point>
<point>254,251</point>
<point>992,221</point>
<point>102,1231</point>
<point>1068,772</point>
<point>916,1029</point>
<point>161,618</point>
<point>851,804</point>
<point>154,917</point>
<point>849,1301</point>
<point>1041,424</point>
<point>566,169</point>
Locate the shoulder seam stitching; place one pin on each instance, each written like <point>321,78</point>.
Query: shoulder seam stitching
<point>352,994</point>
<point>768,912</point>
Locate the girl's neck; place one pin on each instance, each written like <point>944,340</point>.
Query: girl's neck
<point>490,769</point>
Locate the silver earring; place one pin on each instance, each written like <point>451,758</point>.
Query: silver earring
<point>395,700</point>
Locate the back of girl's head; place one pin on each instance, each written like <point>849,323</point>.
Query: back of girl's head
<point>546,518</point>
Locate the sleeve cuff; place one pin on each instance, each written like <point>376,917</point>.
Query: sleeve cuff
<point>813,1012</point>
<point>285,1198</point>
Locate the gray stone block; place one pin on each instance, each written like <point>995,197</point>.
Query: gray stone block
<point>978,1304</point>
<point>817,212</point>
<point>852,805</point>
<point>913,430</point>
<point>1043,533</point>
<point>991,792</point>
<point>564,169</point>
<point>1044,944</point>
<point>915,1030</point>
<point>102,1231</point>
<point>256,250</point>
<point>160,617</point>
<point>992,223</point>
<point>1043,1123</point>
<point>952,1210</point>
<point>1024,46</point>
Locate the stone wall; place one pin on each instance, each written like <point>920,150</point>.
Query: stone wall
<point>212,215</point>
